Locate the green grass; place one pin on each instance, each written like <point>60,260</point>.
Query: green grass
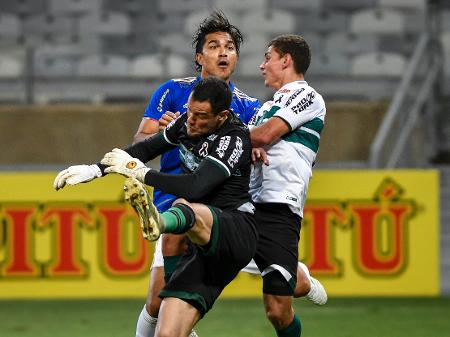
<point>341,317</point>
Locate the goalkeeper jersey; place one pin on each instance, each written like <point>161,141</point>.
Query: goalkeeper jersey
<point>286,178</point>
<point>173,96</point>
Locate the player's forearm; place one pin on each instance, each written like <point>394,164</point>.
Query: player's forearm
<point>149,148</point>
<point>192,186</point>
<point>141,136</point>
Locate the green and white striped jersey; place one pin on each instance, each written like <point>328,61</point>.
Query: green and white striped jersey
<point>286,178</point>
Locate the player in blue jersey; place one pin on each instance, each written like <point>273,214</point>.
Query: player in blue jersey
<point>216,44</point>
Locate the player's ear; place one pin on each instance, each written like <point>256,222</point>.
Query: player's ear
<point>223,115</point>
<point>287,60</point>
<point>199,58</point>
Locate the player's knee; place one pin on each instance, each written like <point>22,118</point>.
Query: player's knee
<point>274,316</point>
<point>278,314</point>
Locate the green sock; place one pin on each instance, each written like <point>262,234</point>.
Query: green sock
<point>178,219</point>
<point>292,330</point>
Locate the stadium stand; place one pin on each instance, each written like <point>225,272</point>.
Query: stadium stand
<point>23,8</point>
<point>52,27</point>
<point>378,64</point>
<point>322,22</point>
<point>415,5</point>
<point>9,26</point>
<point>194,18</point>
<point>256,45</point>
<point>377,21</point>
<point>104,23</point>
<point>349,44</point>
<point>147,66</point>
<point>334,65</point>
<point>183,6</point>
<point>10,67</point>
<point>103,66</point>
<point>54,66</point>
<point>240,6</point>
<point>341,33</point>
<point>294,5</point>
<point>249,63</point>
<point>261,21</point>
<point>74,7</point>
<point>348,5</point>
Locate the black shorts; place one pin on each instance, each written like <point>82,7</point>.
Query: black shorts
<point>201,275</point>
<point>279,233</point>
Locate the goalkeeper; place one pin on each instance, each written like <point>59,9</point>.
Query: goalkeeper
<point>215,150</point>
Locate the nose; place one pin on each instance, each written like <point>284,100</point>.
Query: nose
<point>261,66</point>
<point>223,51</point>
<point>191,120</point>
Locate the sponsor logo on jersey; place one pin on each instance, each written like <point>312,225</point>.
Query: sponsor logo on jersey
<point>293,96</point>
<point>284,91</point>
<point>304,103</point>
<point>161,101</point>
<point>223,145</point>
<point>212,137</point>
<point>237,153</point>
<point>278,100</point>
<point>190,160</point>
<point>203,152</point>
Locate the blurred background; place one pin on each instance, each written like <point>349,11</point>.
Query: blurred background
<point>76,75</point>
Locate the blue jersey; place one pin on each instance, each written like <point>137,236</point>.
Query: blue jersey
<point>173,96</point>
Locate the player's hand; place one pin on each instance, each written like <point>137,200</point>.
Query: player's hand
<point>121,162</point>
<point>168,117</point>
<point>76,174</point>
<point>259,154</point>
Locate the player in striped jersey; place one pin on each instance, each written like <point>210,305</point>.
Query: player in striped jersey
<point>285,134</point>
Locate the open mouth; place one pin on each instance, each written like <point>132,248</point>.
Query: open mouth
<point>223,64</point>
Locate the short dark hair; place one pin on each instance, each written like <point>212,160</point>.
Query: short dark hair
<point>297,47</point>
<point>216,22</point>
<point>215,91</point>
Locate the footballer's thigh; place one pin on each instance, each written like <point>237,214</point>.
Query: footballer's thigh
<point>176,318</point>
<point>200,233</point>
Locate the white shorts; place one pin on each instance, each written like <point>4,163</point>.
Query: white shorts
<point>158,260</point>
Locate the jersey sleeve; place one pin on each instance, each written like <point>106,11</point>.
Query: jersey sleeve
<point>299,107</point>
<point>230,152</point>
<point>160,101</point>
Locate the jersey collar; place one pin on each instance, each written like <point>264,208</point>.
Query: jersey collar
<point>291,85</point>
<point>229,83</point>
